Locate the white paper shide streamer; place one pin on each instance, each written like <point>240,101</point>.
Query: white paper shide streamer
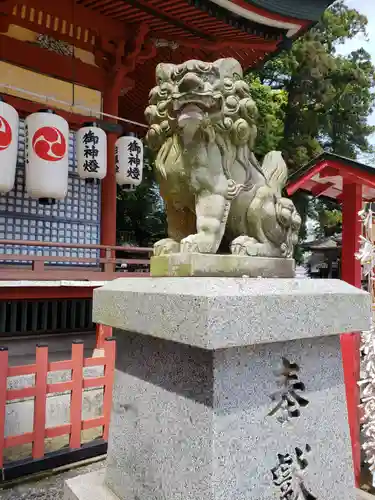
<point>366,255</point>
<point>9,122</point>
<point>47,158</point>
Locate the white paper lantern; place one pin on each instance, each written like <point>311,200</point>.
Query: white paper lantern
<point>129,160</point>
<point>9,122</point>
<point>91,147</point>
<point>47,158</point>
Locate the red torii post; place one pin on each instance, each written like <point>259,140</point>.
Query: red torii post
<point>349,183</point>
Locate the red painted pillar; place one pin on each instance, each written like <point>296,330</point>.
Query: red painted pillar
<point>350,343</point>
<point>109,194</point>
<point>108,206</point>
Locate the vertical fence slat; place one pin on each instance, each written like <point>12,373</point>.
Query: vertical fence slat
<point>25,306</point>
<point>64,314</point>
<point>44,318</point>
<point>13,316</point>
<point>82,314</point>
<point>3,398</point>
<point>73,310</point>
<point>76,395</point>
<point>110,354</point>
<point>34,316</point>
<point>54,315</point>
<point>40,400</point>
<point>3,316</point>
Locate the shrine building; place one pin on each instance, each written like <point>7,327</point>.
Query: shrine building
<point>74,80</point>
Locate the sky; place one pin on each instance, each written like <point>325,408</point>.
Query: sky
<point>367,8</point>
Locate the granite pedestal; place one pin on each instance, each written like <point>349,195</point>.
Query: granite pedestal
<point>206,264</point>
<point>228,388</point>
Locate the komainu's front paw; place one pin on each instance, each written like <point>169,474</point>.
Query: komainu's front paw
<point>166,246</point>
<point>244,245</point>
<point>198,243</point>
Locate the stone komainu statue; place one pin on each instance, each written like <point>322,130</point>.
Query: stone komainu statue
<point>203,128</point>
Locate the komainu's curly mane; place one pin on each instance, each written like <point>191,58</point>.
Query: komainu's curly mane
<point>202,128</point>
<point>230,118</point>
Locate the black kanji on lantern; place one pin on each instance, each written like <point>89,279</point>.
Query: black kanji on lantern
<point>117,161</point>
<point>134,160</point>
<point>134,147</point>
<point>90,138</point>
<point>27,144</point>
<point>91,165</point>
<point>134,173</point>
<point>289,399</point>
<point>90,152</point>
<point>288,475</point>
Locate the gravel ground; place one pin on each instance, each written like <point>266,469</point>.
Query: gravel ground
<point>47,488</point>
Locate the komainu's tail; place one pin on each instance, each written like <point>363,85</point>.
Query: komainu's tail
<point>275,170</point>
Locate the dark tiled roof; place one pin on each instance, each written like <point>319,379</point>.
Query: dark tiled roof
<point>310,10</point>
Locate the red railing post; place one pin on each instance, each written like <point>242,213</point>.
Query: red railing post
<point>40,400</point>
<point>102,331</point>
<point>109,375</point>
<point>76,395</point>
<point>3,398</point>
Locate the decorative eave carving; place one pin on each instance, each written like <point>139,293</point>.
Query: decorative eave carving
<point>54,45</point>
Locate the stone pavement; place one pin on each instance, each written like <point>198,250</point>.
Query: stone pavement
<point>47,488</point>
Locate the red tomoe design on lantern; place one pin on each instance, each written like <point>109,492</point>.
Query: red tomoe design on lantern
<point>49,144</point>
<point>5,134</point>
<point>47,158</point>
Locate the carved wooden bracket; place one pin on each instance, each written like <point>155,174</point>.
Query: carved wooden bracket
<point>120,57</point>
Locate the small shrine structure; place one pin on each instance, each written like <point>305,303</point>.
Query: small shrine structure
<point>351,184</point>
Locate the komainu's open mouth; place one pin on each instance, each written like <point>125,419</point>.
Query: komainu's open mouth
<point>206,102</point>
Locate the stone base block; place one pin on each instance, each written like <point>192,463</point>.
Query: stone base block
<point>88,487</point>
<point>199,264</point>
<point>194,424</point>
<point>230,388</point>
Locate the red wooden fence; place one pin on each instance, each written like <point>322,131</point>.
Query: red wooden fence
<point>39,392</point>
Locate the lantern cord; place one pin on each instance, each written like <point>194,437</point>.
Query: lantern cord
<point>89,111</point>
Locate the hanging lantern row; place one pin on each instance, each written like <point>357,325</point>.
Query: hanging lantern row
<point>47,154</point>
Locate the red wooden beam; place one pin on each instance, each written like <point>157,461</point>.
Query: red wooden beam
<point>40,401</point>
<point>350,342</point>
<point>218,45</point>
<point>3,398</point>
<point>109,373</point>
<point>329,172</point>
<point>76,395</point>
<point>354,175</point>
<point>41,292</point>
<point>319,188</point>
<point>25,107</point>
<point>80,16</point>
<point>301,181</point>
<point>46,62</point>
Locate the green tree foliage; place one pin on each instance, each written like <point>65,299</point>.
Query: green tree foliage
<point>310,98</point>
<point>327,97</point>
<point>271,104</point>
<point>141,218</point>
